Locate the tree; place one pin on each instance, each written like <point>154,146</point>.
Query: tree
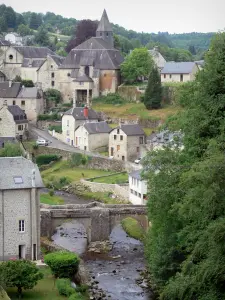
<point>116,41</point>
<point>186,199</point>
<point>85,29</point>
<point>23,30</point>
<point>153,93</point>
<point>53,95</point>
<point>10,17</point>
<point>41,37</point>
<point>3,24</point>
<point>22,274</point>
<point>136,65</point>
<point>35,21</point>
<point>136,43</point>
<point>20,20</point>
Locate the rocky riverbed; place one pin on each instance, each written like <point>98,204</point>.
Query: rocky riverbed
<point>116,267</point>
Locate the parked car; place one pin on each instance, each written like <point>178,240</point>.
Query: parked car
<point>137,161</point>
<point>42,142</point>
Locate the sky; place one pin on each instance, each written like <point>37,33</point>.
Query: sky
<point>173,16</point>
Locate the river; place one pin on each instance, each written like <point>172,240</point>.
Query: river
<point>116,272</point>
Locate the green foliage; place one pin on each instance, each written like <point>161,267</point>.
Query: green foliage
<point>136,65</point>
<point>78,159</point>
<point>51,200</point>
<point>133,228</point>
<point>57,128</point>
<point>45,159</point>
<point>110,99</point>
<point>63,264</point>
<point>35,146</point>
<point>185,244</point>
<point>25,82</point>
<point>52,117</point>
<point>42,37</point>
<point>22,274</point>
<point>51,192</point>
<point>24,30</point>
<point>35,21</point>
<point>10,150</point>
<point>64,287</point>
<point>53,95</point>
<point>153,93</point>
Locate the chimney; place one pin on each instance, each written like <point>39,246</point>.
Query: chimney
<point>86,112</point>
<point>10,83</point>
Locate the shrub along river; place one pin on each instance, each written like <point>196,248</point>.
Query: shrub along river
<point>116,273</point>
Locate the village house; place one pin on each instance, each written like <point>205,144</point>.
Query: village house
<point>29,99</point>
<point>92,136</point>
<point>179,71</point>
<point>73,118</point>
<point>125,142</point>
<point>137,188</point>
<point>92,68</point>
<point>13,122</point>
<point>14,38</point>
<point>20,184</point>
<point>157,57</point>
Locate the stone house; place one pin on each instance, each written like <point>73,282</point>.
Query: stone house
<point>13,122</point>
<point>14,38</point>
<point>179,71</point>
<point>20,183</point>
<point>29,99</point>
<point>73,118</point>
<point>158,59</point>
<point>92,136</point>
<point>137,188</point>
<point>92,68</point>
<point>125,142</point>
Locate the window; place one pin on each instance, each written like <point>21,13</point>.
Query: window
<point>164,75</point>
<point>118,147</point>
<point>121,137</point>
<point>181,77</point>
<point>114,137</point>
<point>107,34</point>
<point>51,66</point>
<point>22,102</point>
<point>67,132</point>
<point>100,34</point>
<point>118,131</point>
<point>137,149</point>
<point>18,179</point>
<point>20,127</point>
<point>21,226</point>
<point>81,83</point>
<point>87,70</point>
<point>14,102</point>
<point>53,83</point>
<point>170,76</point>
<point>53,75</point>
<point>85,148</point>
<point>10,56</point>
<point>135,193</point>
<point>68,74</point>
<point>141,140</point>
<point>123,157</point>
<point>139,195</point>
<point>132,191</point>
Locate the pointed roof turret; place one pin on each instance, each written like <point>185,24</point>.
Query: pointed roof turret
<point>104,24</point>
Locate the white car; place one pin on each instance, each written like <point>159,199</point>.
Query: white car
<point>42,142</point>
<point>137,161</point>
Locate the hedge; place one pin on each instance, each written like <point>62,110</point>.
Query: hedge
<point>45,159</point>
<point>64,287</point>
<point>50,117</point>
<point>63,264</point>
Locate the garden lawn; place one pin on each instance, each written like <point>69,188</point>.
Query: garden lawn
<point>62,169</point>
<point>51,200</point>
<point>133,111</point>
<point>44,290</point>
<point>117,178</point>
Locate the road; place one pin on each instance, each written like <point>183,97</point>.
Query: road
<point>58,144</point>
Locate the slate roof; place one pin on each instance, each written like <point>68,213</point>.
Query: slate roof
<point>28,92</point>
<point>93,52</point>
<point>83,78</point>
<point>34,64</point>
<point>19,115</point>
<point>9,92</point>
<point>34,52</point>
<point>165,137</point>
<point>5,139</point>
<point>131,129</point>
<point>136,174</point>
<point>178,67</point>
<point>104,24</point>
<point>200,63</point>
<point>12,168</point>
<point>97,127</point>
<point>57,59</point>
<point>78,113</point>
<point>4,43</point>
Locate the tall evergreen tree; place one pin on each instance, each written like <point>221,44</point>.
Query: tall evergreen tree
<point>153,93</point>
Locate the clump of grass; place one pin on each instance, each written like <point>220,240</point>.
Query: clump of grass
<point>133,228</point>
<point>51,199</point>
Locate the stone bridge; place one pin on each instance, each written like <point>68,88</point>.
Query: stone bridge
<point>97,218</point>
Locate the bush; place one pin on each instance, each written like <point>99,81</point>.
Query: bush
<point>45,159</point>
<point>57,128</point>
<point>81,288</point>
<point>51,192</point>
<point>64,181</point>
<point>35,146</point>
<point>63,264</point>
<point>78,159</point>
<point>53,95</point>
<point>64,287</point>
<point>76,296</point>
<point>110,99</point>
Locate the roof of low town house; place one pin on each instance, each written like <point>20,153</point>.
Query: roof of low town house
<point>131,129</point>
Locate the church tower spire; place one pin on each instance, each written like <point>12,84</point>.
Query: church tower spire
<point>104,29</point>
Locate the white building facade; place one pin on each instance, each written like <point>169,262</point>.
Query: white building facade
<point>137,189</point>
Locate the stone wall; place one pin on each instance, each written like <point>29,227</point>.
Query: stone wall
<point>104,163</point>
<point>120,191</point>
<point>47,123</point>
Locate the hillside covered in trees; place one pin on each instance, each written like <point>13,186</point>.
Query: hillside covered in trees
<point>177,47</point>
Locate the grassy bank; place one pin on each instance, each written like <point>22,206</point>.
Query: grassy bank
<point>133,228</point>
<point>51,200</point>
<point>117,178</point>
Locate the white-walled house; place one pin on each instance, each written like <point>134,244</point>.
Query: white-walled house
<point>92,136</point>
<point>73,118</point>
<point>20,184</point>
<point>179,71</point>
<point>137,188</point>
<point>14,38</point>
